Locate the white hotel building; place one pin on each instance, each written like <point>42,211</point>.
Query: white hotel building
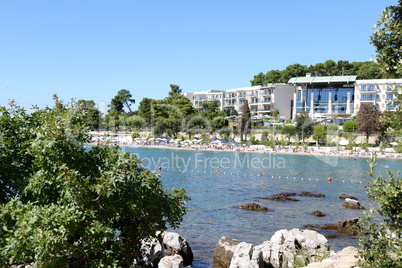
<point>262,100</point>
<point>377,92</point>
<point>323,97</point>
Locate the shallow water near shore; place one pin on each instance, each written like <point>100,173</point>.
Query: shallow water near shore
<point>219,182</point>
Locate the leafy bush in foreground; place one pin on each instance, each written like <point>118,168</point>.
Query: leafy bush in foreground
<point>64,205</point>
<point>381,237</point>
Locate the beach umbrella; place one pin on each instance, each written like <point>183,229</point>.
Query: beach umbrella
<point>393,143</point>
<point>213,139</point>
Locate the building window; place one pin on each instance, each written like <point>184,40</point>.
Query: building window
<point>369,97</point>
<point>390,106</point>
<point>390,88</point>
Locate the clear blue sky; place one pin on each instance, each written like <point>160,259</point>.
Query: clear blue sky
<point>91,49</point>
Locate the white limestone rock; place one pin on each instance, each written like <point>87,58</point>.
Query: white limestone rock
<point>175,261</point>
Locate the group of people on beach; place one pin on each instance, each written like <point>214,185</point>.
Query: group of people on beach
<point>241,147</point>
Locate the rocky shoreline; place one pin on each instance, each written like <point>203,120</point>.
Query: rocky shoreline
<point>305,247</point>
<point>286,248</point>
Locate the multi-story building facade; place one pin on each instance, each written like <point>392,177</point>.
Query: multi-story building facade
<point>324,97</point>
<point>262,100</point>
<point>379,92</point>
<point>209,95</point>
<point>327,97</point>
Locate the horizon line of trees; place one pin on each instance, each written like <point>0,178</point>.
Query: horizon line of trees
<point>365,70</point>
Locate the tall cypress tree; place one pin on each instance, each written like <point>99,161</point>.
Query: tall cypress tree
<point>245,121</point>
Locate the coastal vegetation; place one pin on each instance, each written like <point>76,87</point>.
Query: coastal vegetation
<point>365,70</point>
<point>381,227</point>
<point>64,205</point>
<point>381,237</point>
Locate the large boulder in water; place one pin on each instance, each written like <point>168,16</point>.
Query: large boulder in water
<point>281,251</point>
<point>175,261</point>
<point>246,256</point>
<point>300,239</point>
<point>224,251</point>
<point>172,243</point>
<point>175,244</point>
<point>353,204</point>
<point>346,257</point>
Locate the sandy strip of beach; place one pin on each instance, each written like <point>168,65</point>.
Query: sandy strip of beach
<point>314,151</point>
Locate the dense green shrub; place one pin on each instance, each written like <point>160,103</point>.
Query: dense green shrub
<point>349,126</point>
<point>381,227</point>
<point>332,128</point>
<point>63,205</point>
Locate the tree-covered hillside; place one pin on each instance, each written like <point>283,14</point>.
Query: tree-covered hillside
<point>365,70</point>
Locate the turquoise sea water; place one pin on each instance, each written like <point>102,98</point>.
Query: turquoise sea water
<point>219,182</point>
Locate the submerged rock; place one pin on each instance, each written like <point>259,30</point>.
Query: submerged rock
<point>348,227</point>
<point>344,196</point>
<point>311,194</point>
<point>318,213</point>
<point>281,198</point>
<point>253,207</point>
<point>285,196</point>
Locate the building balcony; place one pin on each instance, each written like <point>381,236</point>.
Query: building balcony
<point>266,94</point>
<point>368,88</point>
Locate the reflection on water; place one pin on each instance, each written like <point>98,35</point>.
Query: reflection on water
<point>219,182</point>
